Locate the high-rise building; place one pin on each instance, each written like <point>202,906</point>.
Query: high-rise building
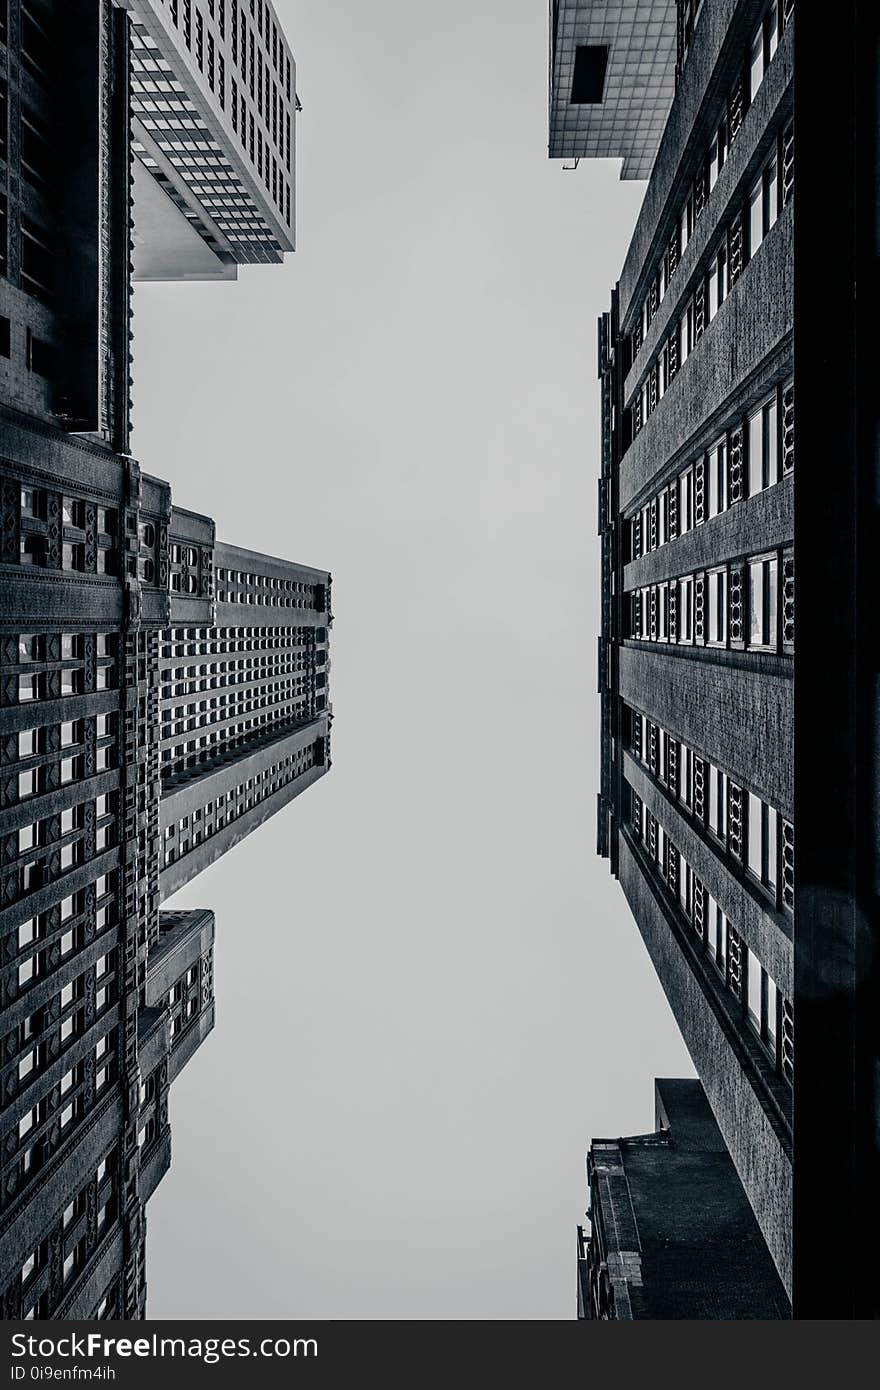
<point>161,694</point>
<point>736,343</point>
<point>213,101</point>
<point>672,1234</point>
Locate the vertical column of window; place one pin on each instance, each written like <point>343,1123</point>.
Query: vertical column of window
<point>735,821</point>
<point>737,605</point>
<point>788,428</point>
<point>735,474</point>
<point>699,492</point>
<point>736,107</point>
<point>787,165</point>
<point>672,611</point>
<point>700,608</point>
<point>699,309</point>
<point>734,974</point>
<point>699,789</point>
<point>636,615</point>
<point>672,869</point>
<point>637,813</point>
<point>698,895</point>
<point>788,600</point>
<point>787,864</point>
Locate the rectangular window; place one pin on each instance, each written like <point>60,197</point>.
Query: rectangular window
<point>712,284</point>
<point>771,1011</point>
<point>685,609</point>
<point>756,836</point>
<point>684,774</point>
<point>718,801</point>
<point>717,469</point>
<point>756,216</point>
<point>771,443</point>
<point>771,195</point>
<point>753,991</point>
<point>756,452</point>
<point>685,495</point>
<point>763,602</point>
<point>770,844</point>
<point>756,64</point>
<point>718,607</point>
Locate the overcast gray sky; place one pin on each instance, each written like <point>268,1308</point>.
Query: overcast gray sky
<point>429,991</point>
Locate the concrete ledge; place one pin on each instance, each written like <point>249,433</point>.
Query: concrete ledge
<point>742,720</point>
<point>758,523</point>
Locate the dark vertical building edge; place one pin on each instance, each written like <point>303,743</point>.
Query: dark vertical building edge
<point>836,767</point>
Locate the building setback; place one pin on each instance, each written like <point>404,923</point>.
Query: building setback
<point>672,1234</point>
<point>161,694</point>
<point>716,376</point>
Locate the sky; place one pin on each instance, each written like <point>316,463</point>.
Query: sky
<point>430,992</point>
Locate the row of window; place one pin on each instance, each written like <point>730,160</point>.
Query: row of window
<point>180,758</point>
<point>240,586</point>
<point>745,604</point>
<point>751,834</point>
<point>208,820</point>
<point>211,641</point>
<point>738,242</point>
<point>763,1006</point>
<point>249,698</point>
<point>34,743</point>
<point>761,50</point>
<point>87,532</point>
<point>747,458</point>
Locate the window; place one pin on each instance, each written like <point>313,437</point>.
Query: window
<point>763,601</point>
<point>685,501</point>
<point>717,471</point>
<point>756,836</point>
<point>685,609</point>
<point>756,63</point>
<point>753,990</point>
<point>771,1011</point>
<point>718,801</point>
<point>763,447</point>
<point>718,607</point>
<point>762,841</point>
<point>763,204</point>
<point>756,216</point>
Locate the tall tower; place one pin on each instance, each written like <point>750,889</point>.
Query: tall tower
<point>726,734</point>
<point>160,695</point>
<point>213,96</point>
